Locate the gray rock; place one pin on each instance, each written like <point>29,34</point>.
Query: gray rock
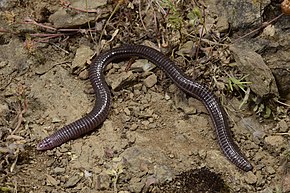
<point>127,111</point>
<point>84,74</point>
<point>250,178</point>
<point>133,127</point>
<point>202,154</point>
<point>150,81</point>
<point>167,97</point>
<point>58,170</point>
<point>270,170</point>
<point>239,13</point>
<point>222,24</point>
<point>249,62</point>
<point>142,65</point>
<point>88,5</point>
<point>284,127</point>
<point>51,180</point>
<point>66,18</point>
<point>83,53</point>
<point>186,49</point>
<point>73,180</point>
<point>63,19</point>
<point>116,81</point>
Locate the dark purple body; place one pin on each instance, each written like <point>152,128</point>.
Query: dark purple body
<point>103,102</point>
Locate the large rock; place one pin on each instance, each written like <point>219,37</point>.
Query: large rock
<point>66,18</point>
<point>239,13</point>
<point>259,74</point>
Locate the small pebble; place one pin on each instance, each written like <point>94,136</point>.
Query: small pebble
<point>150,81</point>
<point>56,120</point>
<point>145,123</point>
<point>58,170</point>
<point>270,170</point>
<point>82,54</point>
<point>151,120</point>
<point>202,154</point>
<point>283,126</point>
<point>127,111</point>
<point>172,88</point>
<point>84,75</point>
<point>131,138</point>
<point>167,97</point>
<point>51,180</point>
<point>250,178</point>
<point>72,181</point>
<point>87,174</point>
<point>133,127</point>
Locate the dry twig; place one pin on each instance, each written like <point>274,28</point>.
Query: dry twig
<point>22,108</point>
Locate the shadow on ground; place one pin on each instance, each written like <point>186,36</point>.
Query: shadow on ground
<point>199,180</point>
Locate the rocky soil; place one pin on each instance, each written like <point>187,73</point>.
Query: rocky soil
<point>156,138</point>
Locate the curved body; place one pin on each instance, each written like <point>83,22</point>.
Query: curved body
<point>102,105</point>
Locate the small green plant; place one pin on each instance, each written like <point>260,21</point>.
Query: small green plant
<point>239,84</point>
<point>115,171</point>
<point>194,16</point>
<point>5,189</point>
<point>174,18</point>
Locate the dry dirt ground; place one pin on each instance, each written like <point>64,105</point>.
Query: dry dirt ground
<point>155,139</point>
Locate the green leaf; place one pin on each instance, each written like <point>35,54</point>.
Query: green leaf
<point>5,189</point>
<point>267,113</point>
